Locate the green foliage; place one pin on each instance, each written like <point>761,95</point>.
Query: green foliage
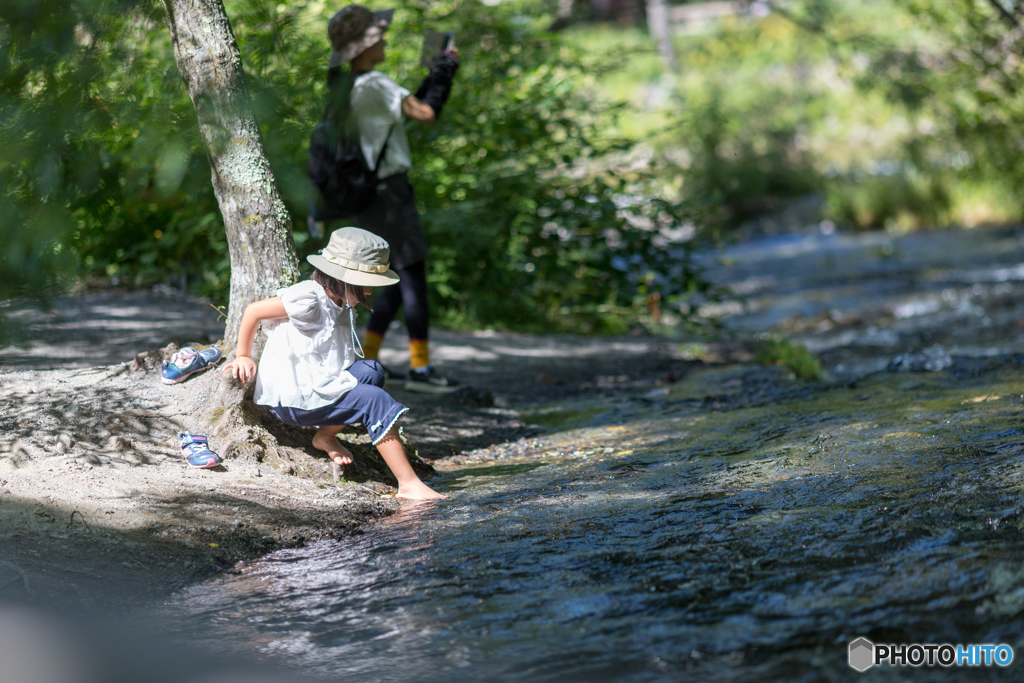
<point>898,202</point>
<point>973,82</point>
<point>48,66</point>
<point>542,203</point>
<point>537,216</point>
<point>102,166</point>
<point>580,235</point>
<point>747,107</point>
<point>743,158</point>
<point>154,216</point>
<point>948,73</point>
<point>809,113</point>
<point>888,112</point>
<point>794,357</point>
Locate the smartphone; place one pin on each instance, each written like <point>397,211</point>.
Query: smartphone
<point>434,44</point>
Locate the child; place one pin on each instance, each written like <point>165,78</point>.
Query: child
<point>308,373</point>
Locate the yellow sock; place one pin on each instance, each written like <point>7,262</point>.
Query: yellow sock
<point>371,345</point>
<point>419,356</point>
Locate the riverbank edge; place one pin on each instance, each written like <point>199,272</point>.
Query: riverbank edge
<point>100,512</point>
<point>98,509</point>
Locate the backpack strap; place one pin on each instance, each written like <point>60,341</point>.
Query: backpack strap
<point>376,166</point>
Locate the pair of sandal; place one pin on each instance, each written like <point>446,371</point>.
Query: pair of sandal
<point>196,449</point>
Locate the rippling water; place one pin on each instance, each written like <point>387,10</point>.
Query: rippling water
<point>739,525</point>
<point>748,534</point>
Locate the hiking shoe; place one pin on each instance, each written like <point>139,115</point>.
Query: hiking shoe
<point>196,451</point>
<point>391,375</point>
<point>187,362</point>
<point>430,382</point>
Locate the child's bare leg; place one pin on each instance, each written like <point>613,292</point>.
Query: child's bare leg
<point>409,485</point>
<point>324,440</point>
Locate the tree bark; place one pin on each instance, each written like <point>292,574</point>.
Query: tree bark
<point>658,25</point>
<point>564,17</point>
<point>256,221</point>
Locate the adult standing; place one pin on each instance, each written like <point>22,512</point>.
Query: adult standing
<point>380,107</point>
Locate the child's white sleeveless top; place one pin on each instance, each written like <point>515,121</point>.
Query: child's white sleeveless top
<point>303,364</point>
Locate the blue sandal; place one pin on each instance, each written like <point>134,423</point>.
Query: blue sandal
<point>195,449</point>
<point>187,362</point>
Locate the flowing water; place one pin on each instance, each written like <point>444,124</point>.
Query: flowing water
<point>736,525</point>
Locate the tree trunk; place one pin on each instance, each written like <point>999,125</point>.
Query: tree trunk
<point>658,25</point>
<point>564,16</point>
<point>256,221</point>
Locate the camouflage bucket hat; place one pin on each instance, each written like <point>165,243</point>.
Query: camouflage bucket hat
<point>353,29</point>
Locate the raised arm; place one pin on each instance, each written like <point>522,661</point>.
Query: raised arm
<point>425,106</point>
<point>243,368</point>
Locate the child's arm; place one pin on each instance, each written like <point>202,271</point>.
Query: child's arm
<point>243,368</point>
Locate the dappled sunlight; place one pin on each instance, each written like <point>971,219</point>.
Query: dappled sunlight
<point>90,425</point>
<point>779,523</point>
<point>88,330</point>
<point>797,224</point>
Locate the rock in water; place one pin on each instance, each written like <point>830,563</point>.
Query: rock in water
<point>931,359</point>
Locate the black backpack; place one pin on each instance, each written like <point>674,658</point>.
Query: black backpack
<point>346,184</point>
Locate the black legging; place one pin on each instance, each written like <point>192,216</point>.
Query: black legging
<point>410,291</point>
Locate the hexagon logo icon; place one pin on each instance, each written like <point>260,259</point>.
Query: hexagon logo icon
<point>862,654</point>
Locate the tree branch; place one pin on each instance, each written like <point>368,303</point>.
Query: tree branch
<point>1009,17</point>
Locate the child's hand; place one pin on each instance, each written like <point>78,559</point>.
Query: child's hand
<point>241,368</point>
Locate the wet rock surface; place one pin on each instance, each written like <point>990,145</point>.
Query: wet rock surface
<point>860,300</point>
<point>729,523</point>
<point>670,538</point>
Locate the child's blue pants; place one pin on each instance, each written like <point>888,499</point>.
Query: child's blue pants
<point>367,403</point>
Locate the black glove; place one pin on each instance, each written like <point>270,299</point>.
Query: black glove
<point>449,57</point>
<point>436,87</point>
<point>421,92</point>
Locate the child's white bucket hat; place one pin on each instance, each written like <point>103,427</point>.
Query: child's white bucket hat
<point>357,257</point>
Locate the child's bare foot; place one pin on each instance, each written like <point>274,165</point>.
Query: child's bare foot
<point>326,441</point>
<point>417,490</point>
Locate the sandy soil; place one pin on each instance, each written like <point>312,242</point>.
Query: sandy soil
<point>98,510</point>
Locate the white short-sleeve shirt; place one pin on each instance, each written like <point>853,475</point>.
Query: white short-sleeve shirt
<point>303,364</point>
<point>377,105</point>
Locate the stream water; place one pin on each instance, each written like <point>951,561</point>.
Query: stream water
<point>736,525</point>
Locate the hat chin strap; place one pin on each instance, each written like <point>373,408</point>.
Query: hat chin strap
<point>356,265</point>
<point>357,347</point>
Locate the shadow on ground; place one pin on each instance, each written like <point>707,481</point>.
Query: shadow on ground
<point>108,327</point>
<point>57,556</point>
